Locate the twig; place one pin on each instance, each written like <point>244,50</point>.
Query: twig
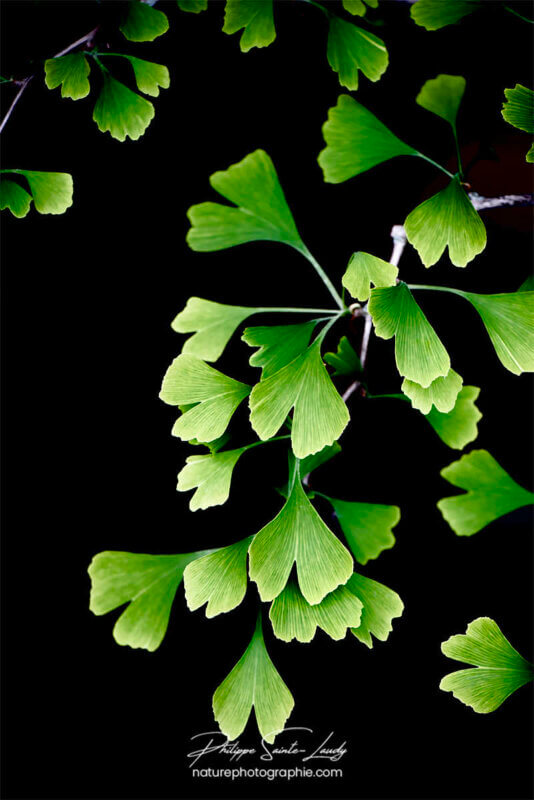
<point>481,203</point>
<point>16,99</point>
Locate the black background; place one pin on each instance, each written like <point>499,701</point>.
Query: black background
<point>91,465</point>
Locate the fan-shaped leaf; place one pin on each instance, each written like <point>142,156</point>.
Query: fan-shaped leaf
<point>459,426</point>
<point>434,14</point>
<point>365,270</point>
<point>278,345</point>
<point>256,17</point>
<point>193,6</point>
<point>442,96</point>
<point>357,7</point>
<point>442,393</point>
<point>380,606</point>
<point>15,198</point>
<point>518,108</point>
<point>211,476</point>
<point>218,579</point>
<point>293,618</point>
<point>143,23</point>
<point>351,48</point>
<point>367,526</point>
<point>149,76</point>
<point>345,360</point>
<point>213,324</point>
<point>120,111</point>
<point>70,72</point>
<point>51,192</point>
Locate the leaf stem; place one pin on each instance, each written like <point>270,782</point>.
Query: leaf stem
<point>458,156</point>
<point>330,311</point>
<point>264,441</point>
<point>324,277</point>
<point>435,163</point>
<point>517,14</point>
<point>435,288</point>
<point>392,396</point>
<point>319,6</point>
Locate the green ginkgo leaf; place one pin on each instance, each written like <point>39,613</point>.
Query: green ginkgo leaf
<point>143,23</point>
<point>357,7</point>
<point>256,17</point>
<point>356,141</point>
<point>147,583</point>
<point>218,579</point>
<point>448,218</point>
<point>499,669</point>
<point>458,427</point>
<point>51,192</point>
<point>262,212</point>
<point>193,6</point>
<point>442,96</point>
<point>518,110</point>
<point>380,606</point>
<point>212,323</point>
<point>365,270</point>
<point>15,198</point>
<point>211,476</point>
<point>491,493</point>
<point>367,526</point>
<point>149,76</point>
<point>311,463</point>
<point>435,14</point>
<point>70,72</point>
<point>215,397</point>
<point>345,360</point>
<point>442,393</point>
<point>351,49</point>
<point>293,618</point>
<point>320,415</point>
<point>120,111</point>
<point>419,353</point>
<point>298,535</point>
<point>278,345</point>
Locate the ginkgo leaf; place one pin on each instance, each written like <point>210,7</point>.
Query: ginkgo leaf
<point>256,17</point>
<point>216,396</point>
<point>419,353</point>
<point>148,583</point>
<point>293,618</point>
<point>380,606</point>
<point>193,6</point>
<point>458,427</point>
<point>442,393</point>
<point>530,155</point>
<point>15,198</point>
<point>345,360</point>
<point>143,23</point>
<point>435,14</point>
<point>215,445</point>
<point>51,191</point>
<point>351,48</point>
<point>356,141</point>
<point>278,345</point>
<point>311,463</point>
<point>499,668</point>
<point>298,535</point>
<point>365,270</point>
<point>253,683</point>
<point>218,579</point>
<point>367,526</point>
<point>518,109</point>
<point>262,212</point>
<point>528,284</point>
<point>442,96</point>
<point>448,218</point>
<point>213,324</point>
<point>357,7</point>
<point>149,76</point>
<point>70,72</point>
<point>320,415</point>
<point>509,321</point>
<point>491,493</point>
<point>211,476</point>
<point>120,111</point>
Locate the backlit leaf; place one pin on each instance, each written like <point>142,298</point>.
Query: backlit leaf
<point>262,212</point>
<point>120,111</point>
<point>357,7</point>
<point>367,527</point>
<point>491,493</point>
<point>278,345</point>
<point>253,683</point>
<point>213,324</point>
<point>70,72</point>
<point>380,606</point>
<point>216,396</point>
<point>442,96</point>
<point>365,270</point>
<point>256,17</point>
<point>193,6</point>
<point>211,476</point>
<point>499,668</point>
<point>459,426</point>
<point>441,393</point>
<point>298,535</point>
<point>351,48</point>
<point>218,579</point>
<point>419,353</point>
<point>293,618</point>
<point>345,360</point>
<point>149,76</point>
<point>518,108</point>
<point>448,218</point>
<point>434,14</point>
<point>15,198</point>
<point>356,141</point>
<point>51,192</point>
<point>143,23</point>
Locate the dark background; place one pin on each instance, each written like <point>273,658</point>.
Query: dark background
<point>90,463</point>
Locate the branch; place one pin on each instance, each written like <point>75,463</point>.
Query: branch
<point>481,203</point>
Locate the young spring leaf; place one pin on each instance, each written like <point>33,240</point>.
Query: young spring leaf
<point>51,192</point>
<point>345,360</point>
<point>380,606</point>
<point>149,76</point>
<point>448,218</point>
<point>298,535</point>
<point>213,325</point>
<point>211,476</point>
<point>499,669</point>
<point>15,198</point>
<point>70,72</point>
<point>293,618</point>
<point>216,396</point>
<point>351,48</point>
<point>458,427</point>
<point>262,212</point>
<point>442,393</point>
<point>147,583</point>
<point>143,23</point>
<point>255,17</point>
<point>357,7</point>
<point>356,141</point>
<point>193,6</point>
<point>365,270</point>
<point>120,111</point>
<point>320,415</point>
<point>367,526</point>
<point>278,345</point>
<point>419,353</point>
<point>491,493</point>
<point>442,96</point>
<point>518,110</point>
<point>218,579</point>
<point>435,14</point>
